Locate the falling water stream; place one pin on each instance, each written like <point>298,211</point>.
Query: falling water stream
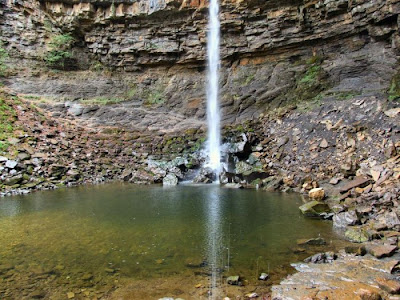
<point>214,141</point>
<point>213,114</point>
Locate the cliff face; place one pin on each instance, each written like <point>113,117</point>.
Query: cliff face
<point>274,53</point>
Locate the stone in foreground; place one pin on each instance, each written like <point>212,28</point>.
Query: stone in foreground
<point>317,194</point>
<point>315,209</point>
<point>233,280</point>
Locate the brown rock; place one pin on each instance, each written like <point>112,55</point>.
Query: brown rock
<point>390,286</point>
<point>358,181</point>
<point>316,194</point>
<point>368,294</point>
<point>381,250</point>
<point>323,144</point>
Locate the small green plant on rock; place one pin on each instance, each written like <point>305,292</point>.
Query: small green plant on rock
<point>394,89</point>
<point>3,57</point>
<point>59,50</point>
<point>7,118</point>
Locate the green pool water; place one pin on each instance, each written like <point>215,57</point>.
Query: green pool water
<point>118,241</point>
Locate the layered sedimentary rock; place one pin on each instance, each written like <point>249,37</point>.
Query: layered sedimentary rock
<point>274,53</point>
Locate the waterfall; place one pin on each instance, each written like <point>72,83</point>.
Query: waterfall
<point>213,114</point>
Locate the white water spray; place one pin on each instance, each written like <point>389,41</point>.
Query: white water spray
<point>213,114</point>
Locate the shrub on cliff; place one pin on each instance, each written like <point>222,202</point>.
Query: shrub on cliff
<point>59,51</point>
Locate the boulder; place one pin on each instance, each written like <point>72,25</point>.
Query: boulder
<point>380,251</point>
<point>348,218</point>
<point>233,280</point>
<point>357,250</point>
<point>316,194</point>
<point>206,175</point>
<point>321,258</point>
<point>272,183</point>
<point>315,209</point>
<point>389,285</point>
<point>357,235</point>
<point>170,180</point>
<point>11,164</point>
<point>358,181</point>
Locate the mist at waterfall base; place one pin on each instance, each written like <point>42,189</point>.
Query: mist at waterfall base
<point>213,110</point>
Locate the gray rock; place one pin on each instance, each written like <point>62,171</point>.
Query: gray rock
<point>170,180</point>
<point>11,164</point>
<point>321,258</point>
<point>3,158</point>
<point>233,186</point>
<point>348,218</point>
<point>76,109</point>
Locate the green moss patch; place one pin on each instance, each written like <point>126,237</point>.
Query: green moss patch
<point>8,117</point>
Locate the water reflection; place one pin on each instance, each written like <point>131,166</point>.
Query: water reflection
<point>214,237</point>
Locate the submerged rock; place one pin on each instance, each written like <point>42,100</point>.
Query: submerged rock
<point>314,242</point>
<point>263,276</point>
<point>233,280</point>
<point>321,258</point>
<point>315,209</point>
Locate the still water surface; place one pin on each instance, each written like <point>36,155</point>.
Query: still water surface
<point>95,241</point>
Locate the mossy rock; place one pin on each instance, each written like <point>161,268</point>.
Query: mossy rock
<point>314,209</point>
<point>357,235</point>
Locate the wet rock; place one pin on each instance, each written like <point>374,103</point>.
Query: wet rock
<point>263,276</point>
<point>233,280</point>
<point>389,285</point>
<point>206,175</point>
<point>241,167</point>
<point>321,258</point>
<point>272,183</point>
<point>380,251</point>
<point>357,250</point>
<point>170,180</point>
<point>348,218</point>
<point>312,242</point>
<point>314,209</point>
<point>87,276</point>
<point>38,294</point>
<point>109,270</point>
<point>357,235</point>
<point>251,295</point>
<point>233,186</point>
<point>317,194</point>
